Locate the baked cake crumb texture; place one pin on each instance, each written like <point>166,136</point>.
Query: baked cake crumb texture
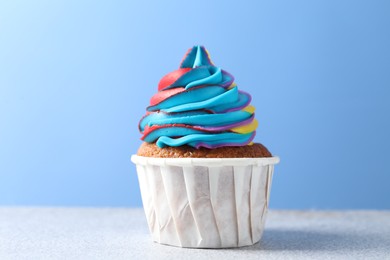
<point>256,150</point>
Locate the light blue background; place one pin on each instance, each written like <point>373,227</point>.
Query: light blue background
<point>76,76</point>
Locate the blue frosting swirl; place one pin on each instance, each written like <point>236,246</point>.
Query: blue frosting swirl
<point>199,105</point>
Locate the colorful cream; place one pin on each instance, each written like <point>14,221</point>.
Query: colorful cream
<point>199,105</point>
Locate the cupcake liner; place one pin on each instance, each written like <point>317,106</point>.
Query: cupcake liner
<point>205,202</point>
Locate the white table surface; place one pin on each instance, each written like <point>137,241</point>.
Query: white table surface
<point>121,233</point>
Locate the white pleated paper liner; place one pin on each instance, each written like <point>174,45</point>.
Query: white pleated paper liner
<point>205,202</point>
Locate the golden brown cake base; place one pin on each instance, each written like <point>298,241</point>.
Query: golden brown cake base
<point>249,151</point>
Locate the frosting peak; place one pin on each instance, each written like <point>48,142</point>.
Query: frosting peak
<point>195,57</point>
<point>199,105</point>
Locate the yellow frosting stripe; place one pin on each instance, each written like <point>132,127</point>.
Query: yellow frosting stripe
<point>250,109</point>
<point>232,85</point>
<point>246,129</point>
<point>208,56</point>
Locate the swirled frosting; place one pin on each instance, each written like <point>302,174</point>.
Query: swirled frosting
<point>199,105</point>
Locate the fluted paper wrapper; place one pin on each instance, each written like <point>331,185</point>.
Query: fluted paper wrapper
<point>205,202</point>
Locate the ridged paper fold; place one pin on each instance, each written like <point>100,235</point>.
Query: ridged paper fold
<point>205,203</point>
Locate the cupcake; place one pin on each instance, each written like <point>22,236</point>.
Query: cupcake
<point>204,182</point>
